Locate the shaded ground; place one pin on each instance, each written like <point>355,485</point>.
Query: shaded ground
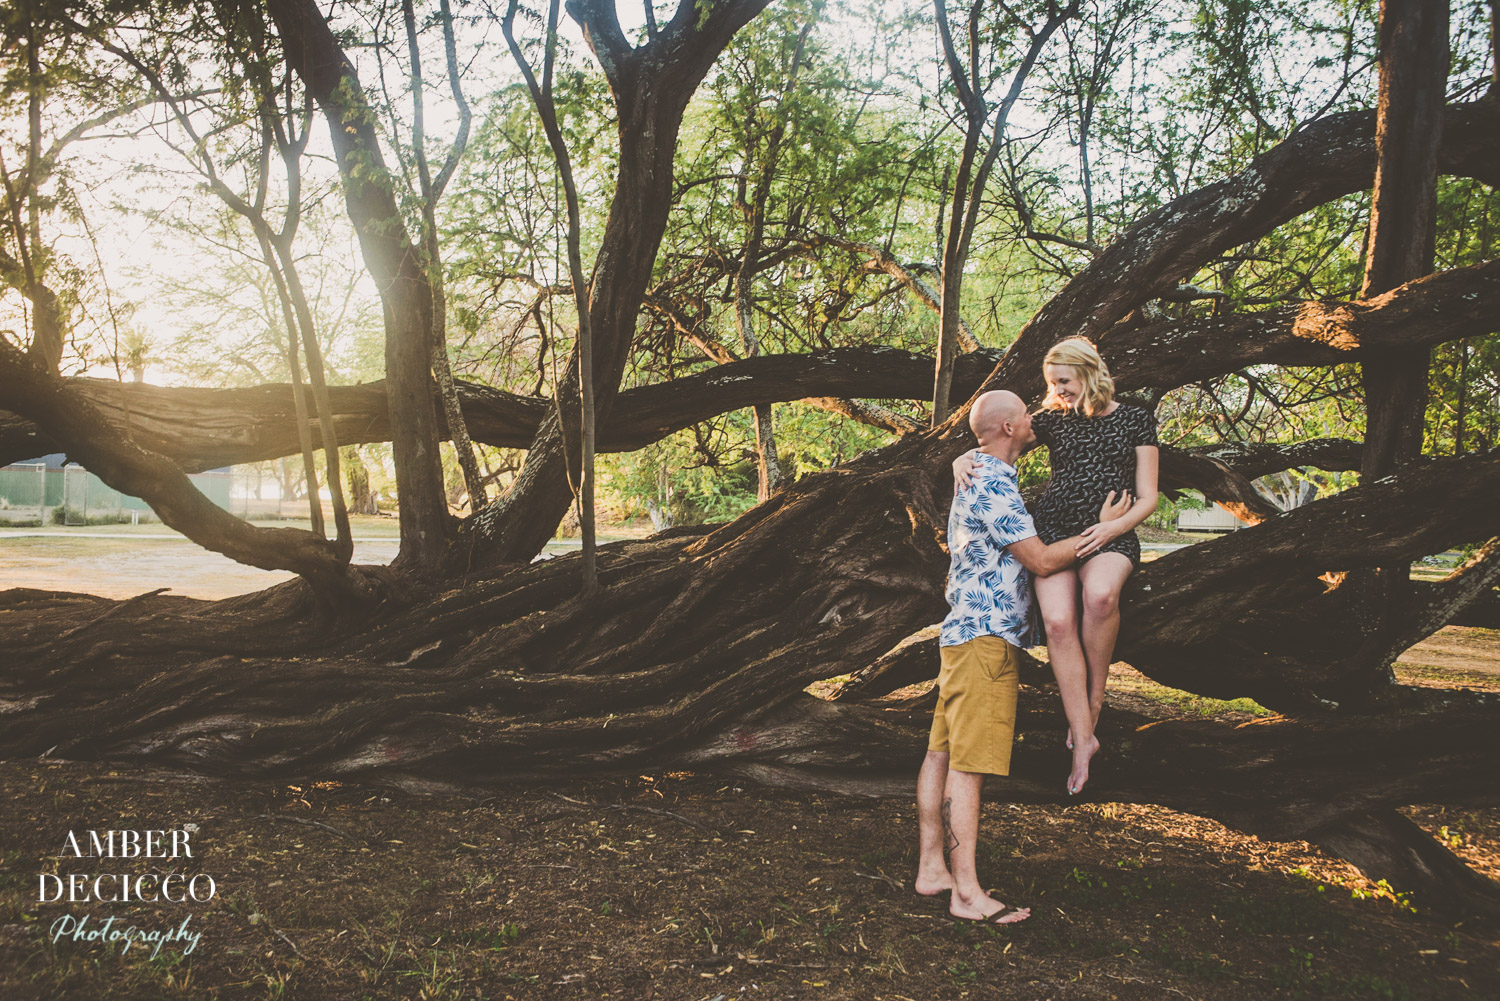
<point>690,887</point>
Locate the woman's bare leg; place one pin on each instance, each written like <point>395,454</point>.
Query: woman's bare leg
<point>1057,597</point>
<point>1101,580</point>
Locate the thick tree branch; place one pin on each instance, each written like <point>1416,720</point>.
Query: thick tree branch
<point>1249,615</point>
<point>1449,305</point>
<point>115,458</point>
<point>1323,160</point>
<point>203,429</point>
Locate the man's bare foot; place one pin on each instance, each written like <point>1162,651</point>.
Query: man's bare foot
<point>1079,777</point>
<point>984,908</point>
<point>933,884</point>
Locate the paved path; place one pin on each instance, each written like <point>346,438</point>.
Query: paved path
<point>23,533</point>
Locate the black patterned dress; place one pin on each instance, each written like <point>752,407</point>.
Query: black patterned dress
<point>1090,457</point>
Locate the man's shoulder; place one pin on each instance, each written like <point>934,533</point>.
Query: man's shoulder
<point>994,474</point>
<point>991,465</point>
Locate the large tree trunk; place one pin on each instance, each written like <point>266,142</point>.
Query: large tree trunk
<point>695,631</point>
<point>697,650</point>
<point>1403,216</point>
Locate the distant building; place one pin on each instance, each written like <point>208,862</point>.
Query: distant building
<point>1211,519</point>
<point>35,489</point>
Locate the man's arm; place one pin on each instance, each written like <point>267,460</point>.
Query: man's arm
<point>1044,560</point>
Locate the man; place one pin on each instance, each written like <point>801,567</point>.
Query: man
<point>994,547</point>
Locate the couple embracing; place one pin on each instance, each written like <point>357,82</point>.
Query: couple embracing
<point>1068,562</point>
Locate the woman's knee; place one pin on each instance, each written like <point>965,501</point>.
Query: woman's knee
<point>1100,601</point>
<point>1061,623</point>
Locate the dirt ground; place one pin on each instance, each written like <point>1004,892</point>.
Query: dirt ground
<point>692,887</point>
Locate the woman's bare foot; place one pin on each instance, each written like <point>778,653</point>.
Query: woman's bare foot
<point>1082,755</point>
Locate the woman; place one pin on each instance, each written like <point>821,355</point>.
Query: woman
<point>1097,445</point>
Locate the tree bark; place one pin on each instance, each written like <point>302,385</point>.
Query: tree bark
<point>204,429</point>
<point>1387,846</point>
<point>696,653</point>
<point>1402,241</point>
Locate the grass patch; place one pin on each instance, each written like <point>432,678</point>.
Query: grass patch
<point>1133,682</point>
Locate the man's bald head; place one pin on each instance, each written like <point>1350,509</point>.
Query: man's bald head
<point>993,411</point>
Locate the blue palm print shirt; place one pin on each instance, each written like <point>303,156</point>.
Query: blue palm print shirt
<point>989,591</point>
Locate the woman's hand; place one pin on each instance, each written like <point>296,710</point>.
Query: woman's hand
<point>963,470</point>
<point>1113,507</point>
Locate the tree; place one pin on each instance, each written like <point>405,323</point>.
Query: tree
<point>698,647</point>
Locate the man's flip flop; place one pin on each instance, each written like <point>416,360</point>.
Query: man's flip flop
<point>944,897</point>
<point>998,918</point>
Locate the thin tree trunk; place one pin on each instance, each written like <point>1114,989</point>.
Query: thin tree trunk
<point>431,191</point>
<point>299,392</point>
<point>314,54</point>
<point>651,84</point>
<point>767,462</point>
<point>46,330</point>
<point>1403,233</point>
<point>1460,419</point>
<point>541,97</point>
<point>967,195</point>
<point>951,280</point>
<point>327,428</point>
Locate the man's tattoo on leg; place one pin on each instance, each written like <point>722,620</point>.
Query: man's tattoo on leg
<point>950,839</point>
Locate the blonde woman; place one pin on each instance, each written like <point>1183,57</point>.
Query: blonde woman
<point>1096,445</point>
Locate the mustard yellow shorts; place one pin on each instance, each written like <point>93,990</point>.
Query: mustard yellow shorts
<point>975,718</point>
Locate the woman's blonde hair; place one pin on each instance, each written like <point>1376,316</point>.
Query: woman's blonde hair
<point>1080,354</point>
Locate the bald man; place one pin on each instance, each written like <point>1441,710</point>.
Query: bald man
<point>994,549</point>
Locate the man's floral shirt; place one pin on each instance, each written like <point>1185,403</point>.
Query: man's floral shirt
<point>989,591</point>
